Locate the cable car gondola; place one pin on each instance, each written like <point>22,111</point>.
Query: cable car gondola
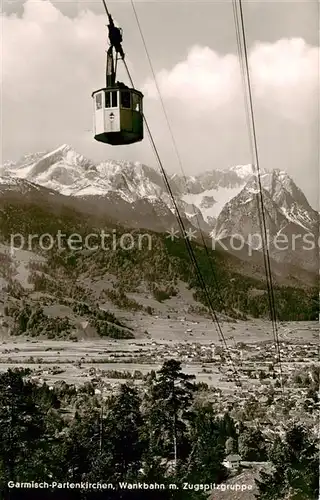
<point>118,114</point>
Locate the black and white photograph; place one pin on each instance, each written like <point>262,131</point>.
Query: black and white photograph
<point>159,249</point>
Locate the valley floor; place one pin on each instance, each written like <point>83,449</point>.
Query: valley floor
<point>194,343</point>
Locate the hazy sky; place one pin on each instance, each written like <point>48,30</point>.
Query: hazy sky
<point>53,57</point>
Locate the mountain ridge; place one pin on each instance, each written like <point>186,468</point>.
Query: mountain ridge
<point>110,171</point>
<point>222,202</point>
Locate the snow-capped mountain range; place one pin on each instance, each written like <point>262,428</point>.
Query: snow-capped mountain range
<point>71,174</point>
<point>223,202</point>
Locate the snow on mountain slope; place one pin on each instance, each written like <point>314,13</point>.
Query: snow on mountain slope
<point>289,198</point>
<point>132,180</point>
<point>72,174</point>
<point>210,191</point>
<point>221,197</point>
<point>244,171</point>
<point>25,161</point>
<point>288,216</point>
<point>62,170</point>
<point>205,181</point>
<point>279,190</point>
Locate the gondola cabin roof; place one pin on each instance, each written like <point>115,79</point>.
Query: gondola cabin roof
<point>118,87</point>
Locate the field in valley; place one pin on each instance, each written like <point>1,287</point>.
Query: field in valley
<point>183,339</point>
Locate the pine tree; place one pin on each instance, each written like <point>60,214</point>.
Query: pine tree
<point>205,460</point>
<point>22,429</point>
<point>170,400</point>
<point>295,463</point>
<point>122,437</point>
